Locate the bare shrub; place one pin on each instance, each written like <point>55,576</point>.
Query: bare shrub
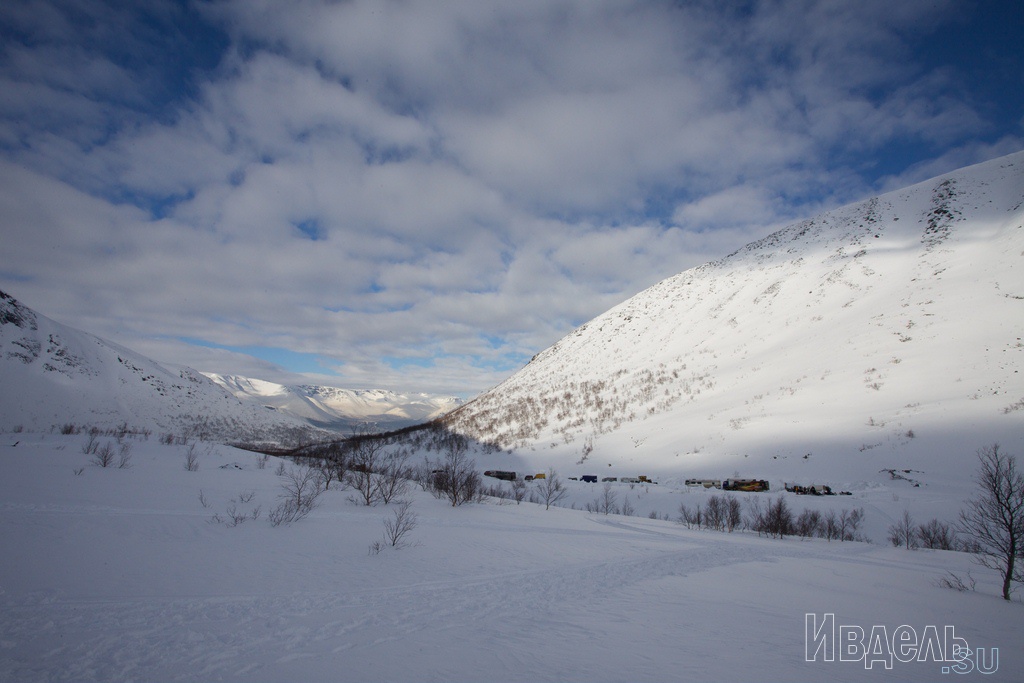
<point>104,455</point>
<point>398,527</point>
<point>261,461</point>
<point>191,458</point>
<point>202,499</point>
<point>956,582</point>
<point>78,471</point>
<point>90,445</point>
<point>235,517</point>
<point>124,455</point>
<point>301,491</point>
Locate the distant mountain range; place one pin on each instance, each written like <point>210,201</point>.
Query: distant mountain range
<point>335,408</point>
<point>884,334</point>
<point>54,376</point>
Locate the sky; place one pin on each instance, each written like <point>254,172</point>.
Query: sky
<point>419,195</point>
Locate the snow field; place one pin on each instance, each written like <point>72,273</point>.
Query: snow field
<point>118,574</point>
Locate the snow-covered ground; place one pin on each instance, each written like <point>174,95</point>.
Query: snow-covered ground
<point>123,574</point>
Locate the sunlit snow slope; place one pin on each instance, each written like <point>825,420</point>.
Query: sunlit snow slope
<point>884,334</point>
<point>54,375</point>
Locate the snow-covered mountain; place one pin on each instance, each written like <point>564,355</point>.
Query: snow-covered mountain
<point>337,408</point>
<point>885,334</point>
<point>54,375</point>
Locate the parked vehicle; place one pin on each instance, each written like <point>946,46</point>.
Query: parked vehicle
<point>812,490</point>
<point>630,480</point>
<point>500,474</point>
<point>541,475</point>
<point>706,483</point>
<point>592,478</point>
<point>609,479</point>
<point>745,485</point>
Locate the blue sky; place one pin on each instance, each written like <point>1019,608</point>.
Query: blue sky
<point>420,196</point>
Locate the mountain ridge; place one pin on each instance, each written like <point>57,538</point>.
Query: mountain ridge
<point>848,331</point>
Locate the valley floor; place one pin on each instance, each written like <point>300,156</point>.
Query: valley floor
<point>123,574</point>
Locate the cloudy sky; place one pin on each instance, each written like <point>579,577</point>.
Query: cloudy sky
<point>420,195</point>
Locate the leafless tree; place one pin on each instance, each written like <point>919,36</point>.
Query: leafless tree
<point>518,490</point>
<point>994,519</point>
<point>714,513</point>
<point>394,476</point>
<point>691,517</point>
<point>551,489</point>
<point>733,513</point>
<point>627,509</point>
<point>808,524</point>
<point>848,523</point>
<point>455,476</point>
<point>605,503</point>
<point>363,465</point>
<point>773,519</point>
<point>903,532</point>
<point>937,535</point>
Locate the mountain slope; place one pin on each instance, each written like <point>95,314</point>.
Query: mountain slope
<point>54,375</point>
<point>338,408</point>
<point>885,333</point>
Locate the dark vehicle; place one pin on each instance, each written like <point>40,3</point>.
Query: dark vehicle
<point>812,490</point>
<point>745,485</point>
<point>592,478</point>
<point>499,474</point>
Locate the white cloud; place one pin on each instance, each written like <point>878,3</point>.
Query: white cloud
<point>456,183</point>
